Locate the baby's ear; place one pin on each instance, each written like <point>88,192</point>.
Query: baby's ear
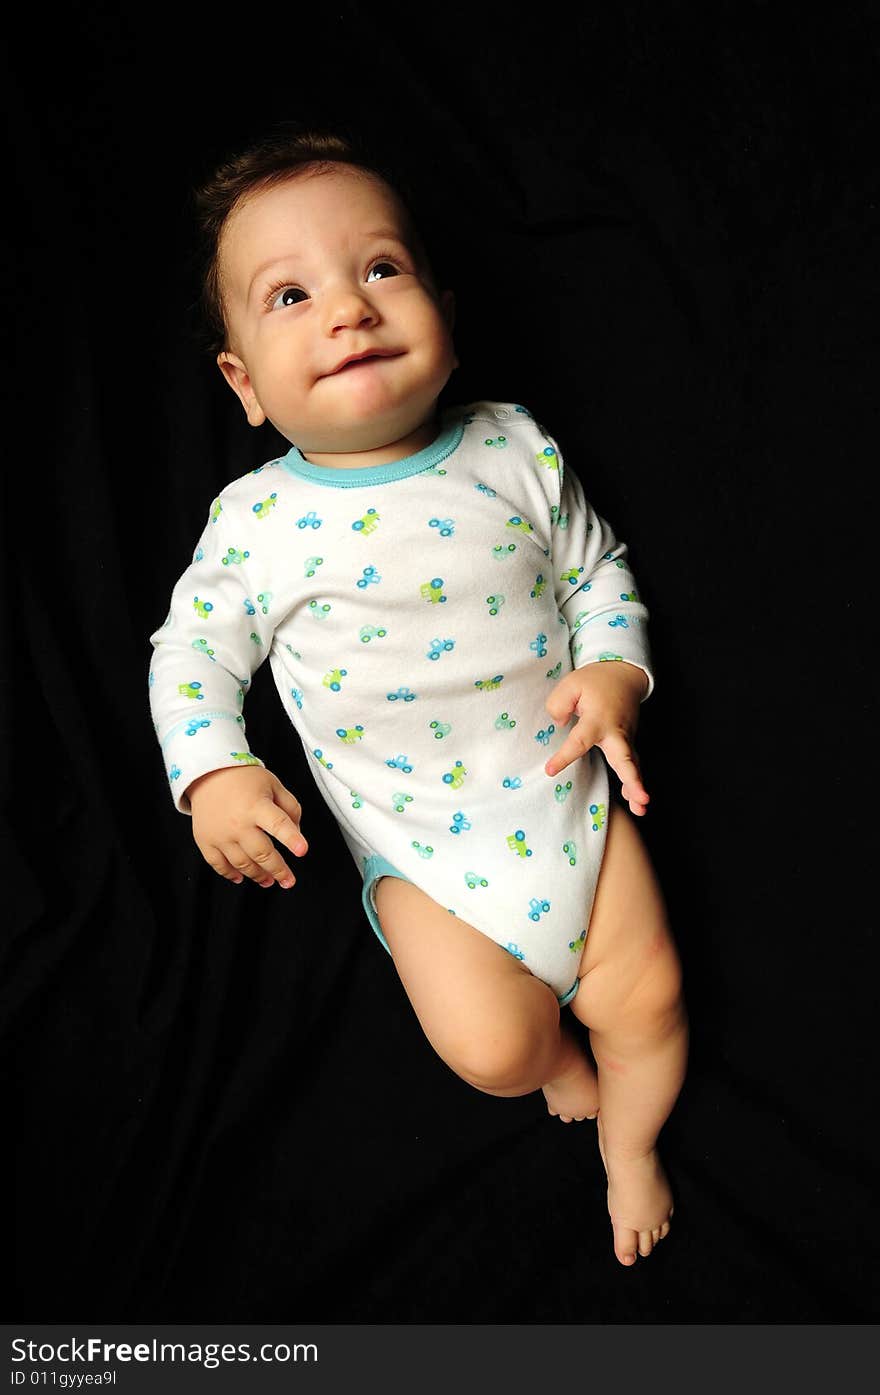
<point>236,375</point>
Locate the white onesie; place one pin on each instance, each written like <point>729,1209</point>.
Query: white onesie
<point>416,616</point>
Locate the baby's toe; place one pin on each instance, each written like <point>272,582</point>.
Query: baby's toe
<point>646,1243</point>
<point>625,1244</point>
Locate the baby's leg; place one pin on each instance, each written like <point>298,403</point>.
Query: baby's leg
<point>630,998</point>
<point>484,1013</point>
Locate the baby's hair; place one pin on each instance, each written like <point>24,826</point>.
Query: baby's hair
<point>285,152</point>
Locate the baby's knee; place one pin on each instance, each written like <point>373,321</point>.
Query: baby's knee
<point>658,998</point>
<point>509,1051</point>
<point>648,997</point>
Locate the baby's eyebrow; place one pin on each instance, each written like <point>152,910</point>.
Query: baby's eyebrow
<point>390,233</point>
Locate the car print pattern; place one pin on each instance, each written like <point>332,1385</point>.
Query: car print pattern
<point>448,604</point>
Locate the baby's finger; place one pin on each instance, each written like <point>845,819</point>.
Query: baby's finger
<point>222,866</point>
<point>282,822</point>
<point>579,740</point>
<point>624,761</point>
<point>267,863</point>
<point>635,794</point>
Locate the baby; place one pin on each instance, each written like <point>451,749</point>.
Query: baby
<point>438,603</point>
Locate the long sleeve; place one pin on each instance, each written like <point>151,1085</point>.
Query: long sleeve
<point>595,588</point>
<point>213,640</point>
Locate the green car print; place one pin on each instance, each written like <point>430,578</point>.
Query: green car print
<point>455,776</point>
<point>367,523</point>
<point>264,507</point>
<point>233,554</point>
<point>433,591</point>
<point>350,734</point>
<point>517,843</point>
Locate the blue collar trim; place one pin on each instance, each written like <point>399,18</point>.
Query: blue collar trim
<point>448,440</point>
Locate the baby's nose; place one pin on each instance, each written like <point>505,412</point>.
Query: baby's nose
<point>352,310</point>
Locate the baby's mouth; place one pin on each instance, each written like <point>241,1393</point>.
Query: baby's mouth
<point>360,362</point>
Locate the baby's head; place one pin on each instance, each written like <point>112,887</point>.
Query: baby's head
<point>311,257</point>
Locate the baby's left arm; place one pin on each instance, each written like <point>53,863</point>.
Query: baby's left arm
<point>596,596</point>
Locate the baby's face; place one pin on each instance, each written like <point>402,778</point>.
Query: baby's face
<point>312,271</point>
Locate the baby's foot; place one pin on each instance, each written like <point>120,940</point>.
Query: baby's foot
<point>639,1201</point>
<point>575,1093</point>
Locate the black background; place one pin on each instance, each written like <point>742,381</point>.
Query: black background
<point>660,223</point>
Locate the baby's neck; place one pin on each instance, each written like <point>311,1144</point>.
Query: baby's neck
<point>381,455</point>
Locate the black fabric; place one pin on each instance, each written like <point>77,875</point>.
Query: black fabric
<point>661,227</point>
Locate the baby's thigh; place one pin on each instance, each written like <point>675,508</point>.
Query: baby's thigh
<point>480,1008</point>
<point>630,962</point>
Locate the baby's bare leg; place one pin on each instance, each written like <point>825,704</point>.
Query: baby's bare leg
<point>484,1013</point>
<point>630,998</point>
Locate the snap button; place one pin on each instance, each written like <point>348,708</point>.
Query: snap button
<point>502,413</point>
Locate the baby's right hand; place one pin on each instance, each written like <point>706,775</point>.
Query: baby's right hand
<point>233,811</point>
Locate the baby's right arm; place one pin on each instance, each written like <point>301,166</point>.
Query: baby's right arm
<point>215,637</point>
<point>232,813</point>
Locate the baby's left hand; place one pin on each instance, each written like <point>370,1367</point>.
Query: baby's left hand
<point>606,697</point>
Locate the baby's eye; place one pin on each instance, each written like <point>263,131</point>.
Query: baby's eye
<point>376,266</point>
<point>278,301</point>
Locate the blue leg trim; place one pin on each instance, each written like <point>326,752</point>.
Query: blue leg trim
<point>567,997</point>
<point>374,868</point>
